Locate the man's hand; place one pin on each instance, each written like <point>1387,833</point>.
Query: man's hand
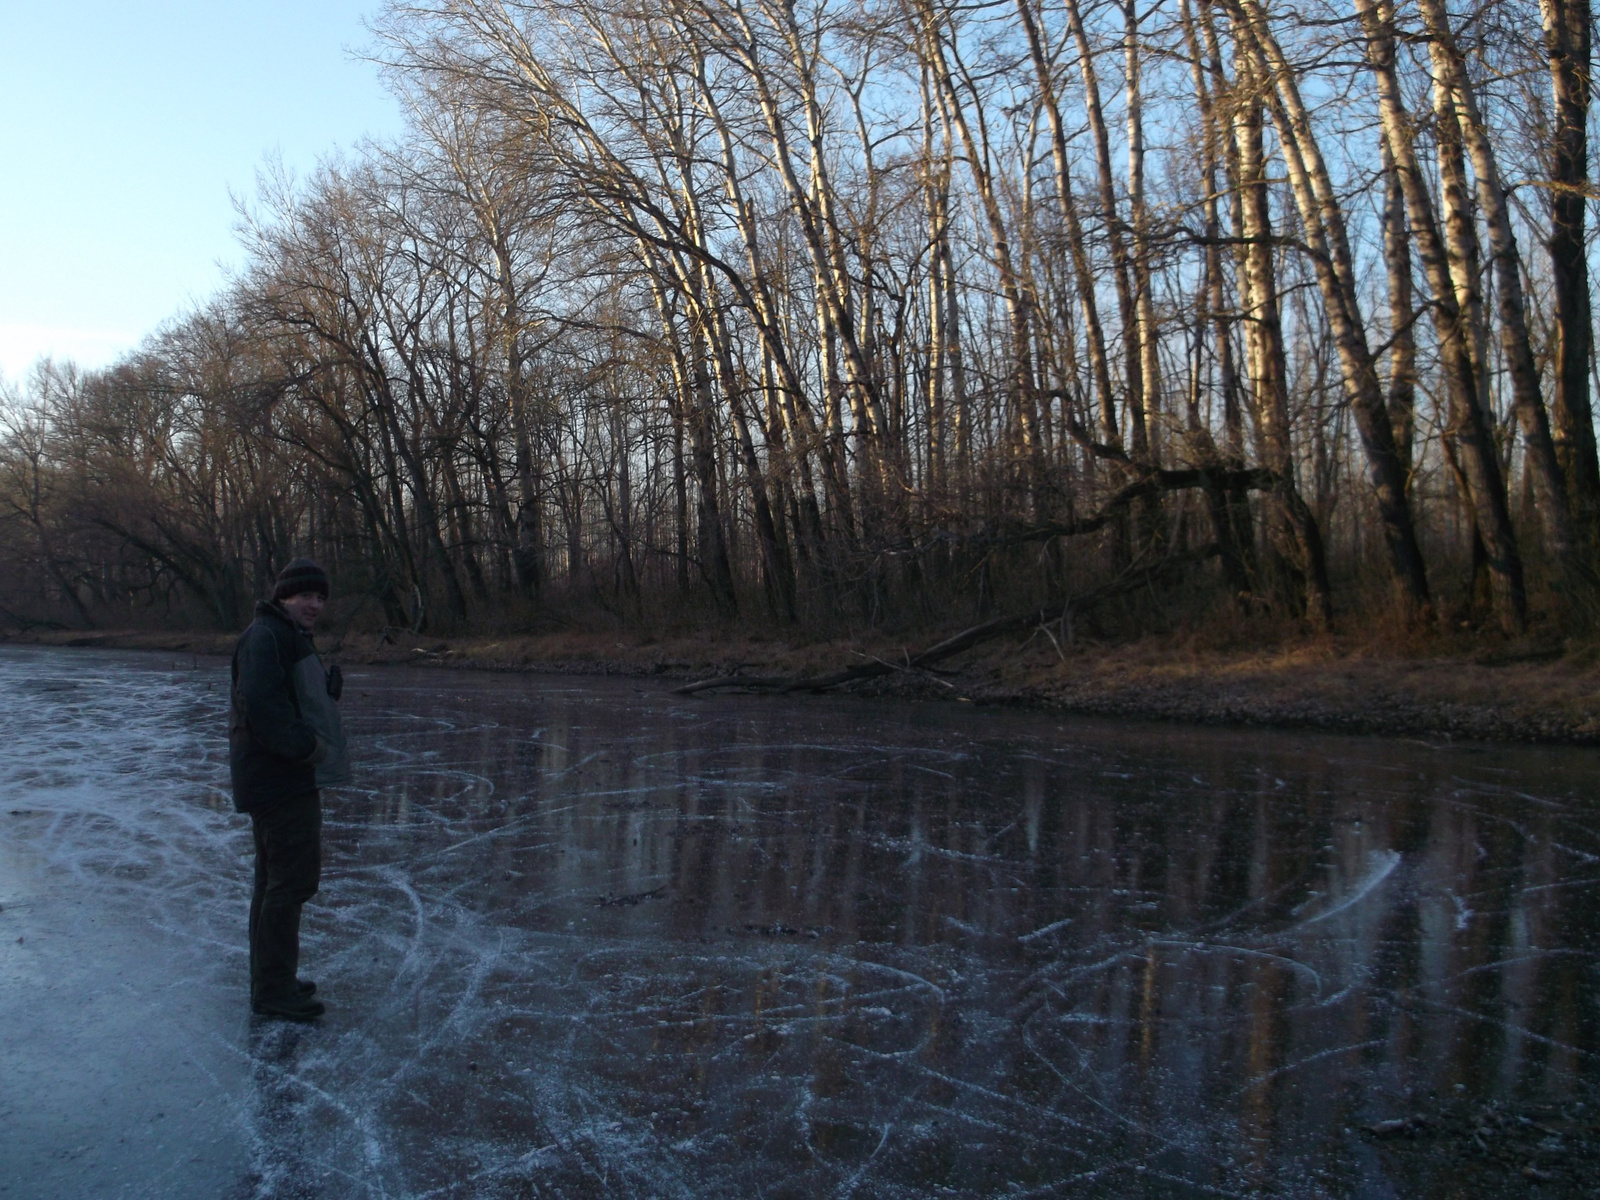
<point>320,754</point>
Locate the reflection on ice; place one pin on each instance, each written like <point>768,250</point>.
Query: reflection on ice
<point>591,939</point>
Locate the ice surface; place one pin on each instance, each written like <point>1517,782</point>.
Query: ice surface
<point>585,938</point>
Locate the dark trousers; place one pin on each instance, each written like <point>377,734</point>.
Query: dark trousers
<point>288,869</point>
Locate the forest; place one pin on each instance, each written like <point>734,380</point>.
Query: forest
<point>836,316</point>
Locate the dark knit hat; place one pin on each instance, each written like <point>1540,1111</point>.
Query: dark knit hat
<point>301,575</point>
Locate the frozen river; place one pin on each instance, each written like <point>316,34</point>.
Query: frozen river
<point>586,938</point>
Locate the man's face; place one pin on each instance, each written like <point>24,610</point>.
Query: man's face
<point>305,608</point>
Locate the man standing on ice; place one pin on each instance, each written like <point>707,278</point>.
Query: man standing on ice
<point>284,745</point>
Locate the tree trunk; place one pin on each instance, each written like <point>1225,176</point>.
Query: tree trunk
<point>1022,388</point>
<point>1567,37</point>
<point>1402,315</point>
<point>1121,274</point>
<point>1445,258</point>
<point>1318,203</point>
<point>1542,462</point>
<point>1144,305</point>
<point>1230,511</point>
<point>1269,371</point>
<point>714,562</point>
<point>1077,243</point>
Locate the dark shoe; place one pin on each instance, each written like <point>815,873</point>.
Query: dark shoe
<point>296,1007</point>
<point>305,987</point>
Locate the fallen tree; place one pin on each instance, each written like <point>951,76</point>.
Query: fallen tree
<point>1152,483</point>
<point>1039,616</point>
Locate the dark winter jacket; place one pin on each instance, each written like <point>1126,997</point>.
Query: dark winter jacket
<point>284,735</point>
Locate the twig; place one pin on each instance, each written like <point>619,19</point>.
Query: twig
<point>908,669</point>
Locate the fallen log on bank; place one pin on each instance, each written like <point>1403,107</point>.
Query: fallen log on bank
<point>1038,617</point>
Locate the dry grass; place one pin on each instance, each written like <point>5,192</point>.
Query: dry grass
<point>1527,691</point>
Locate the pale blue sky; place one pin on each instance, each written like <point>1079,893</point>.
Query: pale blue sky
<point>122,128</point>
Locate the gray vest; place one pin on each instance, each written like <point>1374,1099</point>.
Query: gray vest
<point>322,714</point>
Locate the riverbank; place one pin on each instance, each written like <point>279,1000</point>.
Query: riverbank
<point>1530,691</point>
